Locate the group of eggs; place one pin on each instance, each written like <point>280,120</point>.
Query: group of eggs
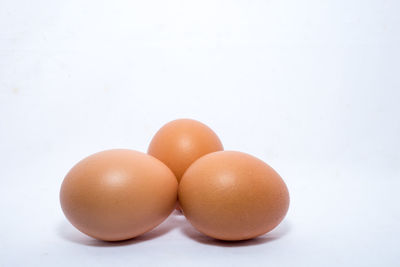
<point>228,195</point>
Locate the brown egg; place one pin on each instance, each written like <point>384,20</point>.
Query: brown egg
<point>118,194</point>
<point>231,195</point>
<point>180,142</point>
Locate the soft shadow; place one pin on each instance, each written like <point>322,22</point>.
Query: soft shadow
<point>188,230</point>
<point>66,231</point>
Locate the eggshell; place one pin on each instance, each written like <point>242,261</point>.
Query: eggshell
<point>231,195</point>
<point>180,142</point>
<point>118,194</point>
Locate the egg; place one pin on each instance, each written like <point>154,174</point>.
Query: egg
<point>231,195</point>
<point>180,142</point>
<point>118,194</point>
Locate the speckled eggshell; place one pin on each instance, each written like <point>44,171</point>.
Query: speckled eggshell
<point>118,194</point>
<point>180,142</point>
<point>231,195</point>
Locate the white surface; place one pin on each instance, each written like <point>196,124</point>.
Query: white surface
<point>310,87</point>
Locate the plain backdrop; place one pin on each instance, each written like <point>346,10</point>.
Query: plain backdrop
<point>310,87</point>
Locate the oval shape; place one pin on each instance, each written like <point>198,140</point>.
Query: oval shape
<point>231,195</point>
<point>180,142</point>
<point>118,194</point>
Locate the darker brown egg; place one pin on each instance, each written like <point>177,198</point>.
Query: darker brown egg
<point>231,195</point>
<point>180,142</point>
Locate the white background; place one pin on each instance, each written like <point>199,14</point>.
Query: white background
<point>310,87</point>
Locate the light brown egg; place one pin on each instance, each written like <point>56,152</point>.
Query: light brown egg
<point>118,194</point>
<point>231,195</point>
<point>180,142</point>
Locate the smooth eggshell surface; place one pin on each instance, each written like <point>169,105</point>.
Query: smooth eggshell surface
<point>118,194</point>
<point>180,142</point>
<point>231,195</point>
